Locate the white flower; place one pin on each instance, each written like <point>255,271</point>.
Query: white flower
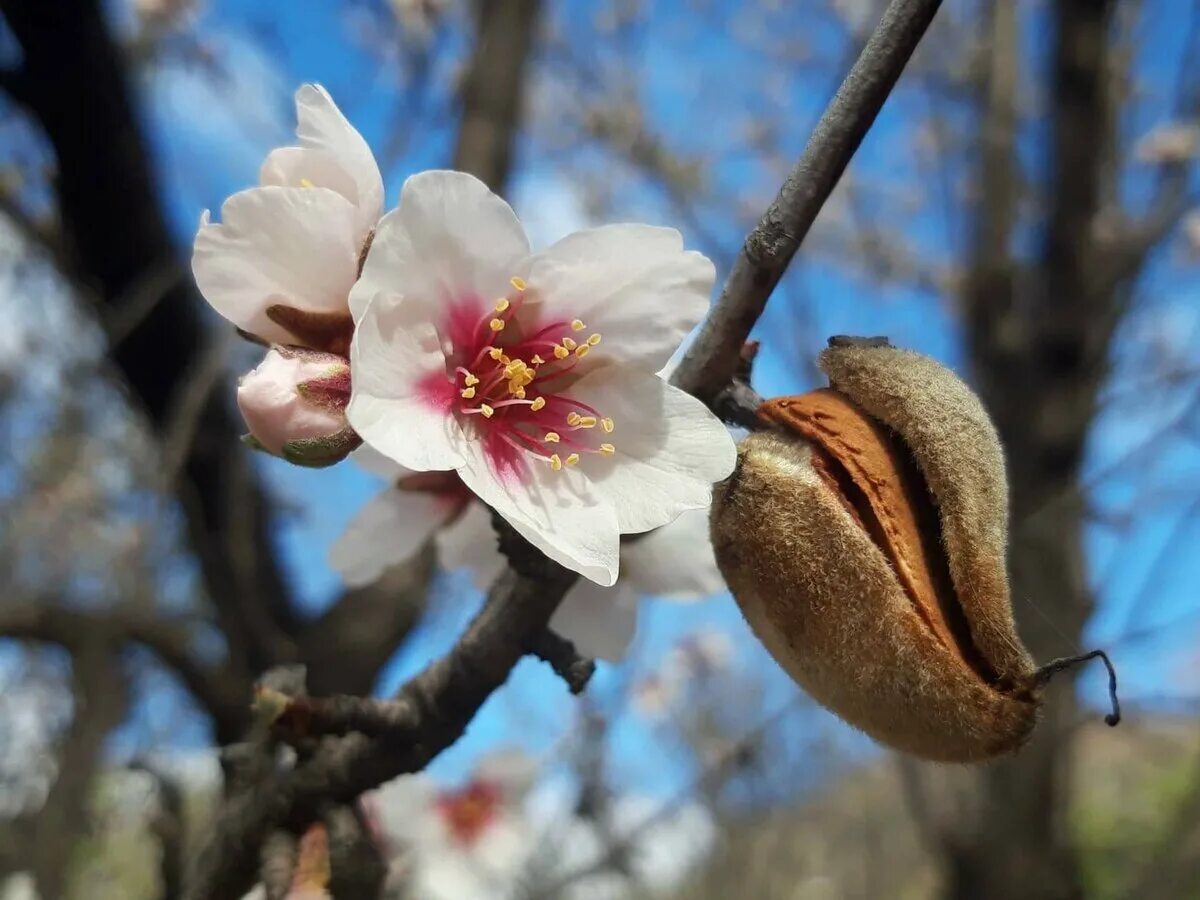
<point>281,262</point>
<point>675,561</point>
<point>473,355</point>
<point>399,520</point>
<point>469,841</point>
<point>294,404</point>
<point>1171,142</point>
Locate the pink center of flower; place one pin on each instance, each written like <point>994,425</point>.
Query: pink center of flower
<point>513,374</point>
<point>469,811</point>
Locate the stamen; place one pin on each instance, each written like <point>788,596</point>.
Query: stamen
<point>582,350</point>
<point>467,394</point>
<point>607,424</point>
<point>593,340</point>
<point>607,449</point>
<point>537,360</point>
<point>496,324</point>
<point>572,459</point>
<point>555,462</point>
<point>573,418</point>
<point>518,282</point>
<point>502,304</point>
<point>569,343</point>
<point>468,378</point>
<point>486,410</point>
<point>305,183</point>
<point>538,404</point>
<point>551,437</point>
<point>577,325</point>
<point>586,421</point>
<point>561,352</point>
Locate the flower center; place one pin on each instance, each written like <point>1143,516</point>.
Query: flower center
<point>515,375</point>
<point>468,811</point>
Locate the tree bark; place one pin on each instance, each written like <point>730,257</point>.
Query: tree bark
<point>1038,336</point>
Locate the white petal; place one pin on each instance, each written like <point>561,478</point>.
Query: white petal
<point>669,448</point>
<point>274,245</point>
<point>450,240</point>
<point>599,621</point>
<point>371,460</point>
<point>469,542</point>
<point>674,561</point>
<point>557,512</point>
<point>388,530</point>
<point>396,363</point>
<point>321,126</point>
<point>632,284</point>
<point>300,167</point>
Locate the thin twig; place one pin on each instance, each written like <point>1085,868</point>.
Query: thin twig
<point>712,359</point>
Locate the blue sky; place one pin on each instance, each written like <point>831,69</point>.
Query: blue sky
<point>211,133</point>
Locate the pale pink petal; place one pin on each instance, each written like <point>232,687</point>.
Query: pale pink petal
<point>557,512</point>
<point>299,167</point>
<point>632,284</point>
<point>393,526</point>
<point>469,542</point>
<point>599,621</point>
<point>277,246</point>
<point>675,561</point>
<point>401,400</point>
<point>321,126</point>
<point>451,241</point>
<point>669,448</point>
<point>371,460</point>
<point>274,407</point>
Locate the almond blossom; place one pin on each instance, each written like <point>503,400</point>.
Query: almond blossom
<point>281,262</point>
<point>533,376</point>
<point>466,841</point>
<point>295,406</point>
<point>675,562</point>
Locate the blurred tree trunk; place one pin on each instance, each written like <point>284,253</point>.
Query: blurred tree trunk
<point>1038,335</point>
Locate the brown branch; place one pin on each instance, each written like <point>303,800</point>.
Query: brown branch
<point>170,640</point>
<point>712,359</point>
<point>430,712</point>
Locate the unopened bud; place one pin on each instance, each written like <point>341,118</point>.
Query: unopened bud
<point>294,404</point>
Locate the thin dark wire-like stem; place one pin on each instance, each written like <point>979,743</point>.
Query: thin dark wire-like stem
<point>711,361</point>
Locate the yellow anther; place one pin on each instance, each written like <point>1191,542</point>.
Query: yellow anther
<point>593,340</point>
<point>496,324</point>
<point>555,462</point>
<point>305,183</point>
<point>518,282</point>
<point>494,352</point>
<point>537,360</point>
<point>514,368</point>
<point>486,410</point>
<point>518,391</point>
<point>608,449</point>
<point>501,304</point>
<point>538,404</point>
<point>587,421</point>
<point>582,350</point>
<point>551,437</point>
<point>577,325</point>
<point>573,418</point>
<point>561,352</point>
<point>568,343</point>
<point>572,459</point>
<point>470,380</point>
<point>607,424</point>
<point>467,394</point>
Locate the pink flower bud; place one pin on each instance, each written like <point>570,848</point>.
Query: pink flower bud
<point>295,406</point>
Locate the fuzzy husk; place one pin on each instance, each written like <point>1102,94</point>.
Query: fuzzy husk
<point>823,598</point>
<point>948,431</point>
